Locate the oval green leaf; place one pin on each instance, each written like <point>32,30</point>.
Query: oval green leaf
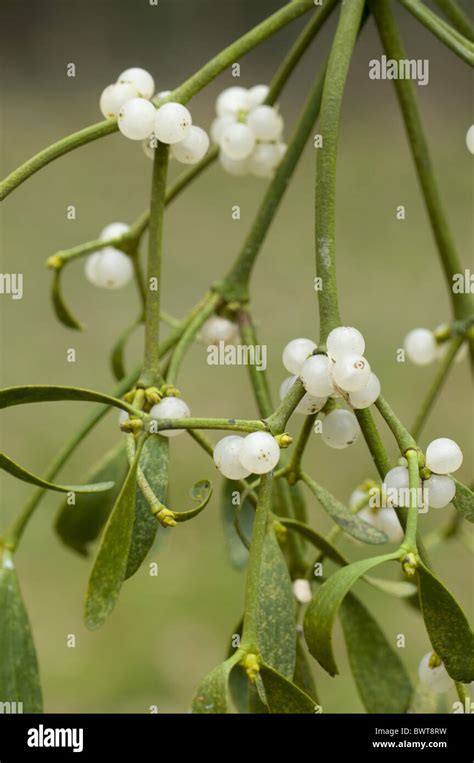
<point>447,626</point>
<point>63,314</point>
<point>154,463</point>
<point>463,501</point>
<point>236,551</point>
<point>19,674</point>
<point>109,568</point>
<point>212,696</point>
<point>322,611</point>
<point>79,524</point>
<point>46,394</point>
<point>380,676</point>
<point>303,677</point>
<point>22,474</point>
<point>283,696</point>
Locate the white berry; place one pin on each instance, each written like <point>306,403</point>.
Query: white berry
<point>265,123</point>
<point>340,428</point>
<point>302,590</point>
<point>296,352</point>
<point>238,141</point>
<point>443,456</point>
<point>470,139</point>
<point>114,97</point>
<point>343,341</point>
<point>437,679</point>
<point>351,373</point>
<point>396,484</point>
<point>113,269</point>
<point>90,268</point>
<point>219,125</point>
<point>232,101</point>
<point>257,95</point>
<point>218,329</point>
<point>357,496</point>
<point>316,376</point>
<point>385,520</point>
<point>263,160</point>
<point>226,457</point>
<point>367,395</point>
<point>172,122</point>
<point>420,346</point>
<point>141,80</point>
<point>260,452</point>
<point>170,408</point>
<point>235,167</point>
<point>441,490</point>
<point>136,118</point>
<point>113,230</point>
<point>308,404</point>
<point>193,148</point>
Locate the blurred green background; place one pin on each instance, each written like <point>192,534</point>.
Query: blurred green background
<point>168,631</point>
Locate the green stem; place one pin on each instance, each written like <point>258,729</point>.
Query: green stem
<point>208,306</point>
<point>457,17</point>
<point>232,425</point>
<point>389,34</point>
<point>182,94</point>
<point>250,629</point>
<point>279,418</point>
<point>445,34</point>
<point>414,483</point>
<point>258,378</point>
<point>436,385</point>
<point>325,189</point>
<point>293,468</point>
<point>403,437</point>
<point>151,375</point>
<point>374,441</point>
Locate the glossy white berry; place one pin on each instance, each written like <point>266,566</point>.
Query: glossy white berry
<point>257,94</point>
<point>113,269</point>
<point>351,373</point>
<point>113,230</point>
<point>238,141</point>
<point>163,93</point>
<point>367,395</point>
<point>396,486</point>
<point>193,148</point>
<point>441,490</point>
<point>90,268</point>
<point>265,123</point>
<point>316,376</point>
<point>226,458</point>
<point>235,167</point>
<point>385,520</point>
<point>264,159</point>
<point>296,352</point>
<point>170,408</point>
<point>172,122</point>
<point>218,329</point>
<point>420,346</point>
<point>219,125</point>
<point>357,496</point>
<point>141,80</point>
<point>232,101</point>
<point>302,590</point>
<point>150,145</point>
<point>443,456</point>
<point>308,404</point>
<point>340,428</point>
<point>437,678</point>
<point>470,139</point>
<point>114,97</point>
<point>343,341</point>
<point>260,452</point>
<point>136,119</point>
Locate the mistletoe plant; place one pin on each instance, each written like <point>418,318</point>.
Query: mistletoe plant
<point>332,385</point>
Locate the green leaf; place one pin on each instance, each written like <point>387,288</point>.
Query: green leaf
<point>283,696</point>
<point>380,676</point>
<point>110,565</point>
<point>46,394</point>
<point>350,523</point>
<point>22,474</point>
<point>117,355</point>
<point>303,677</point>
<point>236,551</point>
<point>201,492</point>
<point>154,463</point>
<point>447,626</point>
<point>63,314</point>
<point>239,687</point>
<point>79,524</point>
<point>19,675</point>
<point>464,501</point>
<point>276,632</point>
<point>322,611</point>
<point>212,695</point>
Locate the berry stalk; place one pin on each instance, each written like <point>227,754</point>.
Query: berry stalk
<point>457,17</point>
<point>453,40</point>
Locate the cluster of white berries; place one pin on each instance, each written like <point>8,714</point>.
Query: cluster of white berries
<point>218,329</point>
<point>422,348</point>
<point>432,675</point>
<point>128,99</point>
<point>109,268</point>
<point>343,372</point>
<point>443,457</point>
<point>248,132</point>
<point>236,457</point>
<point>384,519</point>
